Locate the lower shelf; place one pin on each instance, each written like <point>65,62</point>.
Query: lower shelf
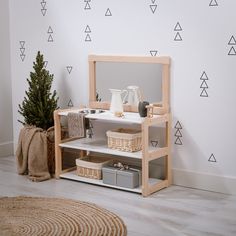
<point>73,176</point>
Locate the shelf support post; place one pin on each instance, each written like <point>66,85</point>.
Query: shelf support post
<point>58,155</point>
<point>168,157</point>
<point>92,82</point>
<point>145,161</point>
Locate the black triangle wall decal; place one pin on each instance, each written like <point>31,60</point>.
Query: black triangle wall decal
<point>232,51</point>
<point>213,3</point>
<point>153,8</point>
<point>204,76</point>
<point>50,38</point>
<point>178,125</point>
<point>153,53</point>
<point>87,29</point>
<point>108,12</point>
<point>178,27</point>
<point>204,93</point>
<point>69,69</point>
<point>212,158</point>
<point>178,37</point>
<point>50,31</point>
<point>232,41</point>
<point>22,44</point>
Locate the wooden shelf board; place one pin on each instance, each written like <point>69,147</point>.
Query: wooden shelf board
<point>66,111</point>
<point>129,117</point>
<point>73,176</point>
<point>98,145</point>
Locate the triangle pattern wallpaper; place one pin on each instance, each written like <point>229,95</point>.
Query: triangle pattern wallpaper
<point>199,36</point>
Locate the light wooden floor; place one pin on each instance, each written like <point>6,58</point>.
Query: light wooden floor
<point>172,211</point>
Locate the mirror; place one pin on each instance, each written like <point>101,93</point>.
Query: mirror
<point>120,75</point>
<point>150,74</point>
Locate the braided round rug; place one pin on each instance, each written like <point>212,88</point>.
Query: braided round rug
<point>54,216</point>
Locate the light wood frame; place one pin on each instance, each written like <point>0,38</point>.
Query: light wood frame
<point>148,156</point>
<point>157,108</point>
<point>162,109</point>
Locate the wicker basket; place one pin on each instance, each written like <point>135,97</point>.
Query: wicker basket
<point>129,140</point>
<point>91,166</point>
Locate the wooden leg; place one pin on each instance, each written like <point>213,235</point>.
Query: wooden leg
<point>168,157</point>
<point>58,155</point>
<point>145,162</point>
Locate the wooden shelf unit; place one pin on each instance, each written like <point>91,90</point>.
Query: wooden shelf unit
<point>160,116</point>
<point>146,155</point>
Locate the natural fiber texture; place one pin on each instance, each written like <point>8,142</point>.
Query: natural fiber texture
<point>52,216</point>
<point>91,166</point>
<point>128,140</point>
<point>31,153</point>
<point>51,150</point>
<point>51,147</point>
<point>76,124</point>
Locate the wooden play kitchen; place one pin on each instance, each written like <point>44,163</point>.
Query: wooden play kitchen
<point>158,114</point>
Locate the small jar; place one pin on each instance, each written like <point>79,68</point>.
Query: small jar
<point>142,108</point>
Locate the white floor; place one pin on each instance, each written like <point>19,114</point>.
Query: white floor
<point>172,211</point>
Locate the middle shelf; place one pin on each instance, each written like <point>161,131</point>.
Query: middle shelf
<point>98,145</point>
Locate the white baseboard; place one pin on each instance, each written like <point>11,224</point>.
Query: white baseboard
<point>205,181</point>
<point>6,149</point>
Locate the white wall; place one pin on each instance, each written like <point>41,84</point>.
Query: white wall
<point>199,36</point>
<point>6,133</point>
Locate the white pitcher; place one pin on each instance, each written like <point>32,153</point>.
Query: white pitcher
<point>116,100</point>
<point>133,96</point>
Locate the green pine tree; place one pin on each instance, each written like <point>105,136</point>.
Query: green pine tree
<point>39,103</point>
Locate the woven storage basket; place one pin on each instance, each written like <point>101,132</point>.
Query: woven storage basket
<point>129,140</point>
<point>91,166</point>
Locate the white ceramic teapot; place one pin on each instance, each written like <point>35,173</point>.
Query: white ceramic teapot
<point>116,100</point>
<point>133,96</point>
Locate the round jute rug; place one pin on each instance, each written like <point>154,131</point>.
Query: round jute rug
<point>53,216</point>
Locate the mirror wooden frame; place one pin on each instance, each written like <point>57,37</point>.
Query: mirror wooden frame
<point>160,108</point>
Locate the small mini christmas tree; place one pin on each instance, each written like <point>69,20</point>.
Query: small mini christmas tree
<point>39,104</point>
